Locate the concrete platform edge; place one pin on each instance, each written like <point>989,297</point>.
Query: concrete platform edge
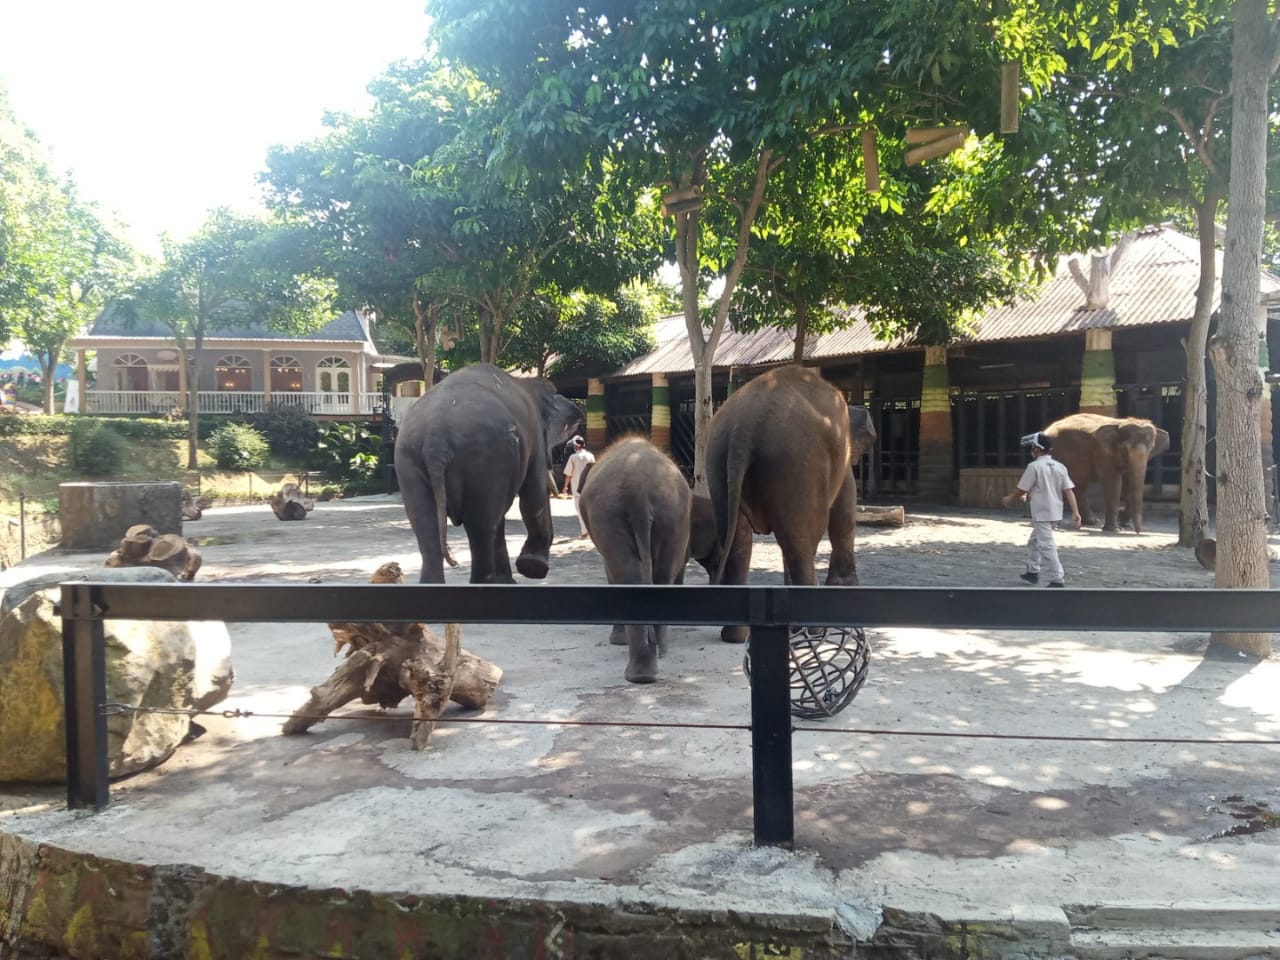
<point>58,903</point>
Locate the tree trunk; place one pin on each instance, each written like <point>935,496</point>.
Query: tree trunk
<point>193,403</point>
<point>802,330</point>
<point>704,349</point>
<point>1193,503</point>
<point>48,361</point>
<point>1242,522</point>
<point>425,325</point>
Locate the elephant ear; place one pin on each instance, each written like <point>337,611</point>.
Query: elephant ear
<point>1108,436</point>
<point>862,431</point>
<point>560,417</point>
<point>1162,442</point>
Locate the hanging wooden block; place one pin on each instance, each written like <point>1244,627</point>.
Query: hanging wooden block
<point>870,161</point>
<point>934,142</point>
<point>680,201</point>
<point>1009,94</point>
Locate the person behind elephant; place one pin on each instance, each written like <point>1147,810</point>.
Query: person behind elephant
<point>1047,485</point>
<point>575,472</point>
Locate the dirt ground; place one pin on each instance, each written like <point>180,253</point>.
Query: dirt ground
<point>943,823</point>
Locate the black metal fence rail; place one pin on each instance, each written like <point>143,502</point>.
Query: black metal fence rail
<point>769,611</point>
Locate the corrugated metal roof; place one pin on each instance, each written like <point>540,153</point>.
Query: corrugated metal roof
<point>1154,283</point>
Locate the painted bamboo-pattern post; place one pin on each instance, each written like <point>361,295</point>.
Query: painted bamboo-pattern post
<point>936,441</point>
<point>597,428</point>
<point>660,413</point>
<point>1098,374</point>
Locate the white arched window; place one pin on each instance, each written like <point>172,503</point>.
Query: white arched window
<point>130,372</point>
<point>286,375</point>
<point>232,373</point>
<point>333,375</point>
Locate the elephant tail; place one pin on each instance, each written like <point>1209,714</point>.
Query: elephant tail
<point>736,462</point>
<point>642,529</point>
<point>435,476</point>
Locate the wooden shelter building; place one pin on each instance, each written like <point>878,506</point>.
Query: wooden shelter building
<point>950,417</point>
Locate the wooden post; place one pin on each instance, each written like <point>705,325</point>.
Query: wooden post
<point>182,381</point>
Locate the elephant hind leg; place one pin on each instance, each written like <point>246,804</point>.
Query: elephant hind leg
<point>842,532</point>
<point>737,563</point>
<point>420,507</point>
<point>534,559</point>
<point>489,560</point>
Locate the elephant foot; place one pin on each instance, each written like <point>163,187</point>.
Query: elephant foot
<point>642,674</point>
<point>1110,528</point>
<point>734,634</point>
<point>479,576</point>
<point>535,568</point>
<point>618,635</point>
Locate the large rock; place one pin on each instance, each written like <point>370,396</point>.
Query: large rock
<point>97,515</point>
<point>156,663</point>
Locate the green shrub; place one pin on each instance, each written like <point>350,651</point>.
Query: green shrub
<point>237,446</point>
<point>96,449</point>
<point>40,425</point>
<point>290,430</point>
<point>349,450</point>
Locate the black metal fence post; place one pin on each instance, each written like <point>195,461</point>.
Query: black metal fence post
<point>771,736</point>
<point>85,678</point>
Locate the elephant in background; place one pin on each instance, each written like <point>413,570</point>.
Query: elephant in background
<point>636,509</point>
<point>780,453</point>
<point>1114,451</point>
<point>466,448</point>
<point>704,544</point>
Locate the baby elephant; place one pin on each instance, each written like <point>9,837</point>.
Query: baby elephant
<point>636,508</point>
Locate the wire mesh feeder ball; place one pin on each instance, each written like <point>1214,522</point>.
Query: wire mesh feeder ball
<point>828,668</point>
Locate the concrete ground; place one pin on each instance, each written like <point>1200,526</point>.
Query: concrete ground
<point>545,840</point>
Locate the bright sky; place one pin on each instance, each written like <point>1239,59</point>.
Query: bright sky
<point>165,109</point>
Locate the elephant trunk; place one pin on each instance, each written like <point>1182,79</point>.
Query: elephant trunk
<point>1135,475</point>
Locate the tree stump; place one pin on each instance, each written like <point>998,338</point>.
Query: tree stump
<point>193,508</point>
<point>386,662</point>
<point>142,546</point>
<point>288,503</point>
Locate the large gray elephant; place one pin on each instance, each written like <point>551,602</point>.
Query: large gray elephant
<point>1113,451</point>
<point>636,509</point>
<point>465,450</point>
<point>780,453</point>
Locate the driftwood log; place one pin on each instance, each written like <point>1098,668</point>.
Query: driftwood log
<point>143,546</point>
<point>386,662</point>
<point>881,516</point>
<point>288,503</point>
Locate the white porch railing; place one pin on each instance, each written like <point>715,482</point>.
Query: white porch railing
<point>160,402</point>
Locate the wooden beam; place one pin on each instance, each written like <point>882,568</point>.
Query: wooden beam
<point>870,161</point>
<point>937,147</point>
<point>1009,94</point>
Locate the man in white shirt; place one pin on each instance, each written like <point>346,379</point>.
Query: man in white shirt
<point>1047,485</point>
<point>575,469</point>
